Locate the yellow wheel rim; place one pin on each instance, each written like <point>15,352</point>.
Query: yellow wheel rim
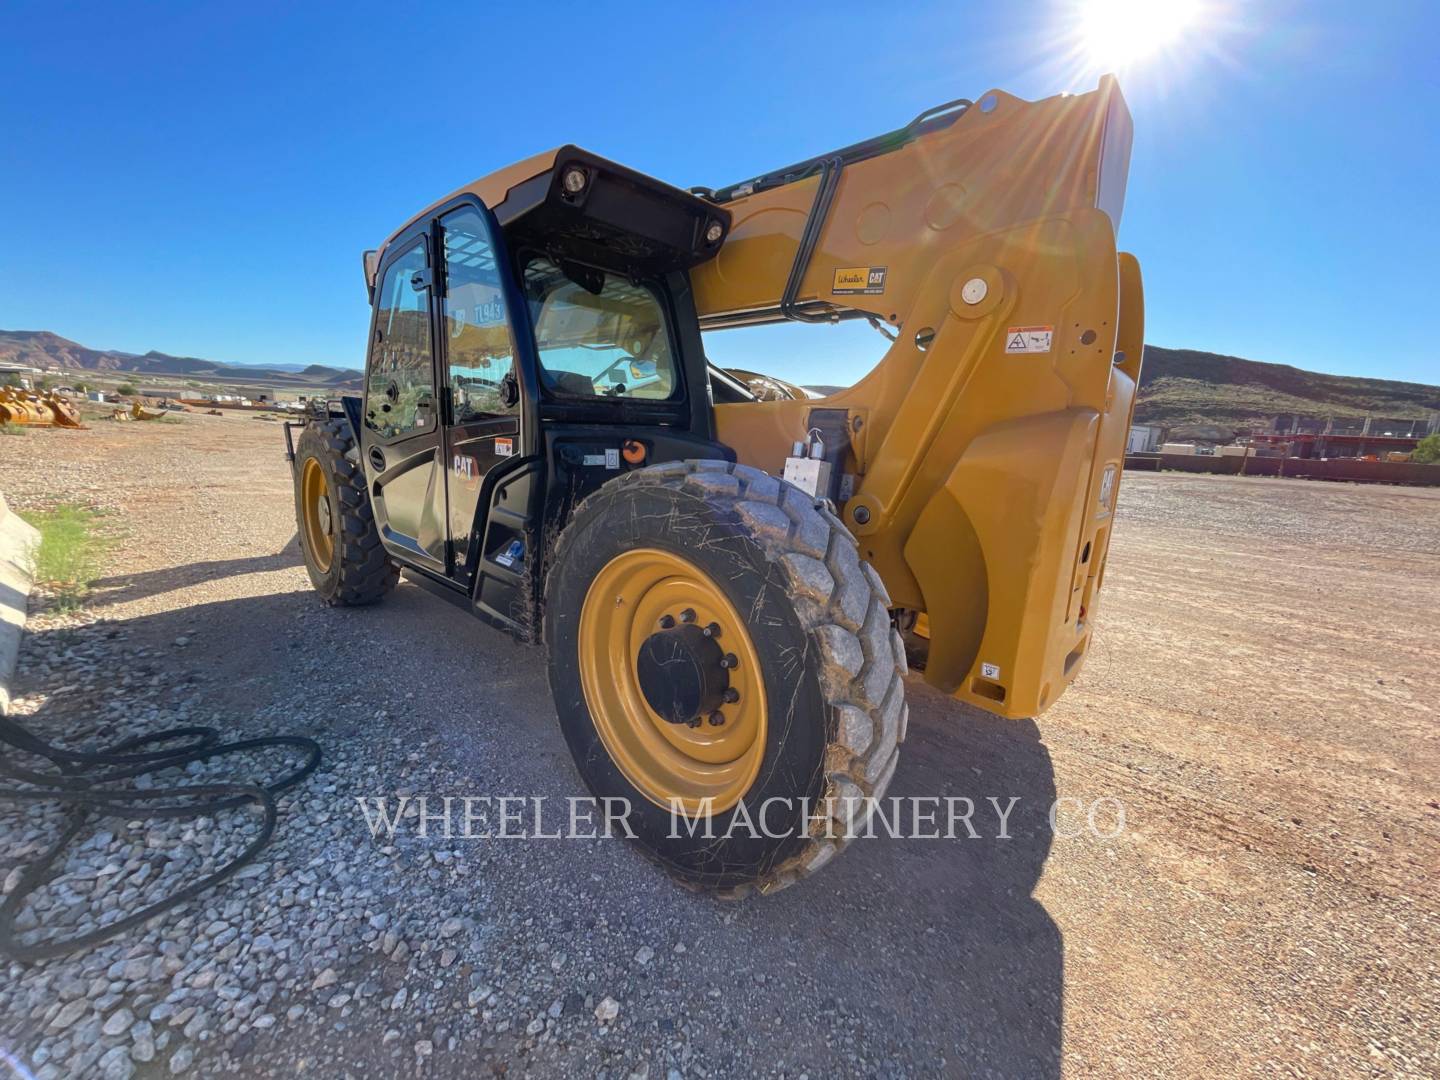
<point>319,515</point>
<point>632,598</point>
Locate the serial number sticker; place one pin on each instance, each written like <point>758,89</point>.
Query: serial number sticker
<point>593,459</point>
<point>504,447</point>
<point>1028,339</point>
<point>858,280</point>
<point>990,671</point>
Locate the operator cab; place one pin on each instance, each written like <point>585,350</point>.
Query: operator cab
<point>533,335</point>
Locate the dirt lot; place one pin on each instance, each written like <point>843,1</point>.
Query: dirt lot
<point>1262,700</point>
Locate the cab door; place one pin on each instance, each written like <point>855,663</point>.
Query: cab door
<point>401,440</point>
<point>481,386</point>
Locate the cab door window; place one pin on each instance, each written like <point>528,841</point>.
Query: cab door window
<point>400,384</point>
<point>478,348</point>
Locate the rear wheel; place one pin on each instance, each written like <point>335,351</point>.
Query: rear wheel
<point>718,650</point>
<point>342,549</point>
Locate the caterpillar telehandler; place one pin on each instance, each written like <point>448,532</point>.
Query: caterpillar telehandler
<point>724,567</point>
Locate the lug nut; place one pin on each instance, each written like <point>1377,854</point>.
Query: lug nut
<point>717,718</point>
<point>667,621</point>
<point>688,615</point>
<point>729,660</point>
<point>713,630</point>
<point>731,695</point>
<point>694,721</point>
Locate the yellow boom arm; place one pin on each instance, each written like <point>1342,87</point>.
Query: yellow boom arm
<point>985,448</point>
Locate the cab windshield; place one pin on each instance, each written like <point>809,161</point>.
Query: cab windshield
<point>598,334</point>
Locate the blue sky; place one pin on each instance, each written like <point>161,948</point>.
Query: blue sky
<point>201,178</point>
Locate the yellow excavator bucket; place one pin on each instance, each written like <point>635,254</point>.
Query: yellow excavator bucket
<point>47,409</point>
<point>138,413</point>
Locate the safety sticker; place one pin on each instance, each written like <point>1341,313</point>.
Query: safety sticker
<point>1028,339</point>
<point>504,447</point>
<point>990,671</point>
<point>612,457</point>
<point>858,280</point>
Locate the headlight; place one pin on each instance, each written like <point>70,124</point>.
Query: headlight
<point>574,180</point>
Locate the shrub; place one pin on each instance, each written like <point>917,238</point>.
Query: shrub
<point>67,558</point>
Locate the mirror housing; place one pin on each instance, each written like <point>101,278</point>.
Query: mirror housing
<point>370,262</point>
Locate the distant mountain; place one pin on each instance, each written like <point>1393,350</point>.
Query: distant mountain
<point>42,349</point>
<point>1186,387</point>
<point>297,367</point>
<point>1210,396</point>
<point>1180,389</point>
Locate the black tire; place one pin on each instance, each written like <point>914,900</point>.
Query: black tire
<point>360,572</point>
<point>832,664</point>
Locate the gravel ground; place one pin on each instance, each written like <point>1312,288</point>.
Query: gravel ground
<point>1261,699</point>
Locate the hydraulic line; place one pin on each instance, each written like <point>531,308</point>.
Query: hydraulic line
<point>91,785</point>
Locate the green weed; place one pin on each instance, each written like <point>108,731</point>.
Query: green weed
<point>66,561</point>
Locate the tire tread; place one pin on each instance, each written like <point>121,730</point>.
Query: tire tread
<point>367,573</point>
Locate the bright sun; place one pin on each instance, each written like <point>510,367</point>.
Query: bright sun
<point>1116,34</point>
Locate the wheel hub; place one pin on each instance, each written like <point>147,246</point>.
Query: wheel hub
<point>682,673</point>
<point>323,511</point>
<point>672,680</point>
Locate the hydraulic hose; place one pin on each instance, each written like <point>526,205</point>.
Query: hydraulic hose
<point>91,784</point>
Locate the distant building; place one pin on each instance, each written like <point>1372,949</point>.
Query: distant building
<point>1144,438</point>
<point>19,375</point>
<point>1345,436</point>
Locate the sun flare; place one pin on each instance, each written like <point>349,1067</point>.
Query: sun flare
<point>1118,34</point>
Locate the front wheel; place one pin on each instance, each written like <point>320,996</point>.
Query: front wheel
<point>722,660</point>
<point>343,554</point>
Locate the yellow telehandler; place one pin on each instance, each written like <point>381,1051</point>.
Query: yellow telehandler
<point>723,567</point>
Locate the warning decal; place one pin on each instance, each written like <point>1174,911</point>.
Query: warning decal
<point>504,447</point>
<point>1028,339</point>
<point>863,280</point>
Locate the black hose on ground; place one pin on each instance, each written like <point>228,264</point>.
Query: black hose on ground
<point>91,785</point>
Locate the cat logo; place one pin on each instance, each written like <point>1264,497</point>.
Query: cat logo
<point>858,280</point>
<point>463,466</point>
